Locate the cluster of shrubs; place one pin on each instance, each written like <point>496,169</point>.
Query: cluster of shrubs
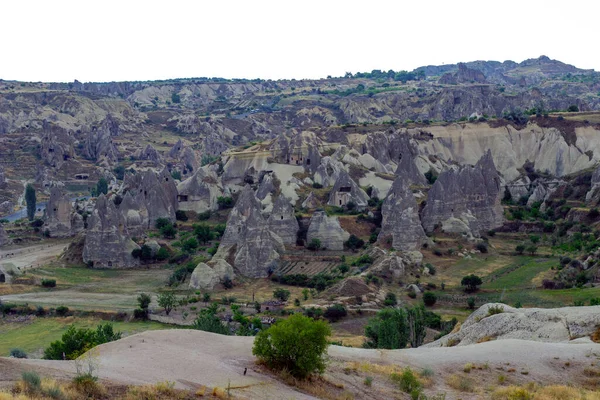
<point>75,342</point>
<point>320,281</point>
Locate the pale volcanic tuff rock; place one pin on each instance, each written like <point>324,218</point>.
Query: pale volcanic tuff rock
<point>301,148</point>
<point>592,196</point>
<point>258,252</point>
<point>328,172</point>
<point>471,194</point>
<point>266,185</point>
<point>59,215</point>
<point>149,153</point>
<point>208,275</point>
<point>400,218</point>
<point>343,185</point>
<point>98,144</point>
<point>463,75</point>
<point>244,207</point>
<point>536,324</point>
<point>282,220</point>
<point>157,192</point>
<point>327,230</point>
<point>134,213</point>
<point>311,202</point>
<point>396,152</point>
<point>200,192</point>
<point>56,145</point>
<point>106,242</point>
<point>3,182</point>
<point>4,240</point>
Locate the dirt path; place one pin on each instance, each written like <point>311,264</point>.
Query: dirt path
<point>192,358</point>
<point>25,258</point>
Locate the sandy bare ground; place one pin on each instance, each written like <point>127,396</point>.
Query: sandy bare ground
<point>29,257</point>
<point>193,358</point>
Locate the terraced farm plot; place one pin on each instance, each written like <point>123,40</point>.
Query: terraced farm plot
<point>306,268</point>
<point>520,274</point>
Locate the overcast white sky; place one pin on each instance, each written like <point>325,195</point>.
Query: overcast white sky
<point>121,40</point>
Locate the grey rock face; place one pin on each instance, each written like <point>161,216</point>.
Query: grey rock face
<point>157,193</point>
<point>150,154</point>
<point>206,277</point>
<point>200,192</point>
<point>258,253</point>
<point>282,220</point>
<point>3,182</point>
<point>245,205</point>
<point>463,75</point>
<point>98,144</point>
<point>311,202</point>
<point>346,190</point>
<point>328,172</point>
<point>59,212</point>
<point>4,240</point>
<point>266,185</point>
<point>56,146</point>
<point>106,242</point>
<point>298,149</point>
<point>400,218</point>
<point>593,196</point>
<point>134,213</point>
<point>327,230</point>
<point>471,194</point>
<point>540,325</point>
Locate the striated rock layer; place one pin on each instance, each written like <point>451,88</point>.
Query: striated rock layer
<point>470,195</point>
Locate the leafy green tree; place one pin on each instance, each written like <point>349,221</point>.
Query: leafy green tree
<point>161,223</point>
<point>388,329</point>
<point>305,293</point>
<point>471,302</point>
<point>190,245</point>
<point>202,232</point>
<point>354,242</point>
<point>101,186</point>
<point>167,301</point>
<point>119,171</point>
<point>532,249</point>
<point>315,244</point>
<point>224,202</point>
<point>534,239</point>
<point>520,248</point>
<point>175,98</point>
<point>176,175</point>
<point>281,294</point>
<point>144,301</point>
<point>415,317</point>
<point>285,345</point>
<point>30,199</point>
<point>209,321</point>
<point>335,312</point>
<point>168,231</point>
<point>390,299</point>
<point>471,282</point>
<point>429,299</point>
<point>74,342</point>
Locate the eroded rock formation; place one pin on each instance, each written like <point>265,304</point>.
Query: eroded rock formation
<point>282,220</point>
<point>400,218</point>
<point>470,194</point>
<point>106,242</point>
<point>327,230</point>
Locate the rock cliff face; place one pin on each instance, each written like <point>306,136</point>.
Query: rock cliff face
<point>327,230</point>
<point>98,143</point>
<point>400,218</point>
<point>302,148</point>
<point>541,325</point>
<point>346,190</point>
<point>106,242</point>
<point>593,196</point>
<point>156,191</point>
<point>134,213</point>
<point>200,192</point>
<point>469,194</point>
<point>3,182</point>
<point>282,220</point>
<point>463,75</point>
<point>4,240</point>
<point>257,248</point>
<point>56,145</point>
<point>208,275</point>
<point>59,215</point>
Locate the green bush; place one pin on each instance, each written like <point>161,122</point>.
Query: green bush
<point>75,342</point>
<point>224,202</point>
<point>209,321</point>
<point>471,282</point>
<point>335,312</point>
<point>61,311</point>
<point>281,294</point>
<point>181,215</point>
<point>390,299</point>
<point>315,244</point>
<point>284,346</point>
<point>407,381</point>
<point>429,299</point>
<point>49,283</point>
<point>167,301</point>
<point>32,382</point>
<point>18,353</point>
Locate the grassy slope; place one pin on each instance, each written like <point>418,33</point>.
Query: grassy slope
<point>33,337</point>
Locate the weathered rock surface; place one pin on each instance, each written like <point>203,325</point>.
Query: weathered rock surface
<point>592,196</point>
<point>157,193</point>
<point>311,202</point>
<point>207,277</point>
<point>400,218</point>
<point>302,148</point>
<point>200,192</point>
<point>98,144</point>
<point>471,194</point>
<point>327,230</point>
<point>463,75</point>
<point>537,324</point>
<point>59,214</point>
<point>106,242</point>
<point>282,220</point>
<point>245,205</point>
<point>56,145</point>
<point>345,190</point>
<point>3,182</point>
<point>4,240</point>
